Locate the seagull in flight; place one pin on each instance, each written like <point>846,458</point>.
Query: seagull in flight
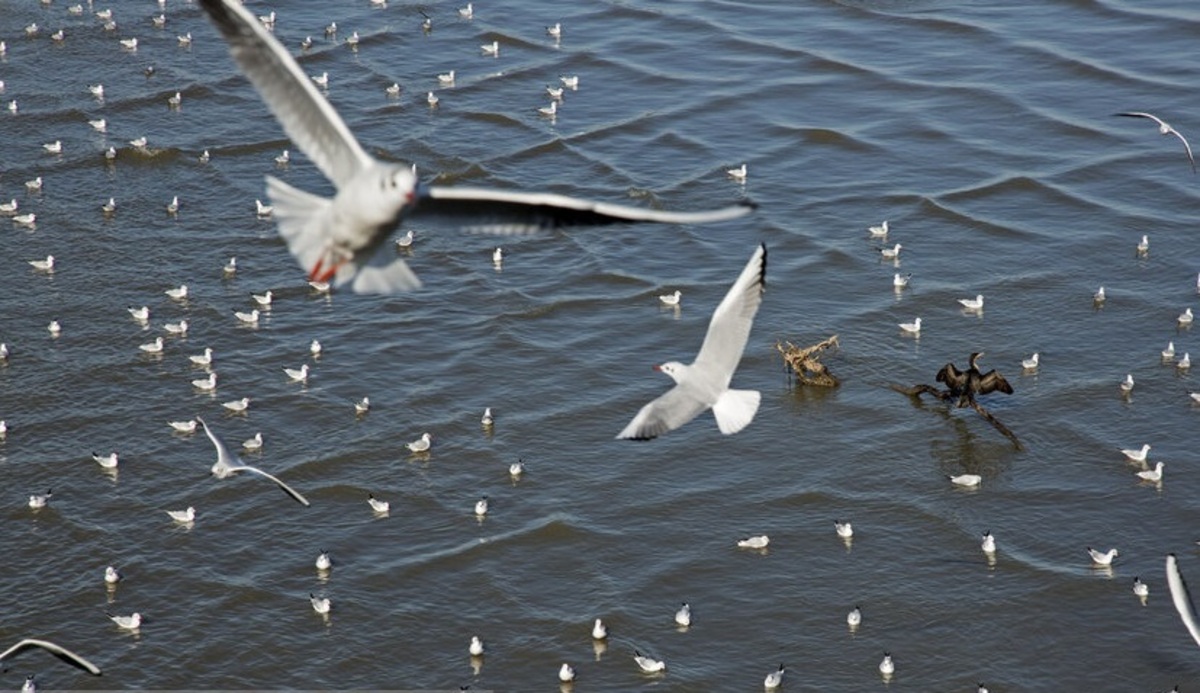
<point>1179,594</point>
<point>57,650</point>
<point>704,383</point>
<point>1165,129</point>
<point>227,465</point>
<point>335,239</point>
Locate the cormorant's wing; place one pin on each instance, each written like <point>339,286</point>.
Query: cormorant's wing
<point>992,381</point>
<point>506,212</point>
<point>57,650</point>
<point>954,378</point>
<point>306,116</point>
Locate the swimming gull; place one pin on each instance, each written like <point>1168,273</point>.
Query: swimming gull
<point>972,303</point>
<point>704,383</point>
<point>880,231</point>
<point>185,517</point>
<point>335,239</point>
<point>1137,454</point>
<point>130,622</point>
<point>854,618</point>
<point>1153,475</point>
<point>844,530</point>
<point>683,617</point>
<point>323,562</point>
<point>1103,558</point>
<point>967,480</point>
<point>887,667</point>
<point>228,464</point>
<point>773,679</point>
<point>39,500</point>
<point>379,506</point>
<point>1031,363</point>
<point>756,542</point>
<point>566,673</point>
<point>649,665</point>
<point>476,646</point>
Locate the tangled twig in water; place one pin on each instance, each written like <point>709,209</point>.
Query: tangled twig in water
<point>962,387</point>
<point>806,362</point>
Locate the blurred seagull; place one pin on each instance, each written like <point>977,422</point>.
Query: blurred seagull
<point>476,647</point>
<point>446,78</point>
<point>1137,455</point>
<point>1186,317</point>
<point>1143,245</point>
<point>111,575</point>
<point>110,206</point>
<point>890,253</point>
<point>1141,589</point>
<point>1180,595</point>
<point>487,419</point>
<point>381,507</point>
<point>555,31</point>
<point>298,375</point>
<point>39,500</point>
<point>99,125</point>
<point>263,299</point>
<point>756,542</point>
<point>421,444</point>
<point>227,465</point>
<point>139,143</point>
<point>393,90</point>
<point>492,49</point>
<point>1099,296</point>
<point>253,444</point>
<point>250,318</point>
<point>1185,362</point>
<point>57,650</point>
<point>683,617</point>
<point>880,231</point>
<point>321,605</point>
<point>987,543</point>
<point>284,158</point>
<point>899,282</point>
<point>323,562</point>
<point>854,618</point>
<point>671,299</point>
<point>481,506</point>
<point>362,406</point>
<point>335,239</point>
<point>176,328</point>
<point>1102,558</point>
<point>516,469</point>
<point>774,679</point>
<point>498,256</point>
<point>913,327</point>
<point>1031,363</point>
<point>54,147</point>
<point>1127,383</point>
<point>206,384</point>
<point>887,667</point>
<point>972,303</point>
<point>967,480</point>
<point>844,530</point>
<point>1153,475</point>
<point>570,81</point>
<point>314,348</point>
<point>1164,129</point>
<point>188,426</point>
<point>262,210</point>
<point>738,174</point>
<point>599,630</point>
<point>430,99</point>
<point>467,12</point>
<point>1168,354</point>
<point>204,359</point>
<point>108,461</point>
<point>704,383</point>
<point>130,622</point>
<point>566,673</point>
<point>648,665</point>
<point>237,406</point>
<point>179,293</point>
<point>46,265</point>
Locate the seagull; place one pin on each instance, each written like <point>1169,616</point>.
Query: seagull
<point>773,679</point>
<point>1180,595</point>
<point>362,406</point>
<point>498,257</point>
<point>188,426</point>
<point>756,542</point>
<point>204,359</point>
<point>683,617</point>
<point>1169,353</point>
<point>57,650</point>
<point>487,419</point>
<point>1186,317</point>
<point>481,506</point>
<point>262,210</point>
<point>1153,475</point>
<point>900,282</point>
<point>34,185</point>
<point>139,143</point>
<point>206,384</point>
<point>555,31</point>
<point>109,461</point>
<point>555,93</point>
<point>130,43</point>
<point>550,110</point>
<point>204,157</point>
<point>111,575</point>
<point>97,90</point>
<point>26,219</point>
<point>880,231</point>
<point>183,516</point>
<point>180,327</point>
<point>972,303</point>
<point>263,299</point>
<point>406,240</point>
<point>321,605</point>
<point>1105,558</point>
<point>570,81</point>
<point>987,543</point>
<point>298,375</point>
<point>421,444</point>
<point>967,480</point>
<point>250,318</point>
<point>46,265</point>
<point>393,90</point>
<point>335,239</point>
<point>844,530</point>
<point>54,327</point>
<point>492,49</point>
<point>671,299</point>
<point>321,80</point>
<point>467,12</point>
<point>1030,363</point>
<point>228,464</point>
<point>430,99</point>
<point>1185,362</point>
<point>320,287</point>
<point>1164,129</point>
<point>179,293</point>
<point>913,327</point>
<point>185,39</point>
<point>854,618</point>
<point>738,174</point>
<point>54,147</point>
<point>892,253</point>
<point>110,206</point>
<point>1099,296</point>
<point>130,622</point>
<point>1140,588</point>
<point>175,101</point>
<point>1137,455</point>
<point>516,469</point>
<point>314,348</point>
<point>155,347</point>
<point>237,406</point>
<point>1127,383</point>
<point>649,665</point>
<point>476,646</point>
<point>253,444</point>
<point>704,383</point>
<point>566,674</point>
<point>9,207</point>
<point>1143,245</point>
<point>353,40</point>
<point>599,630</point>
<point>173,205</point>
<point>284,158</point>
<point>887,667</point>
<point>39,500</point>
<point>323,562</point>
<point>377,505</point>
<point>306,43</point>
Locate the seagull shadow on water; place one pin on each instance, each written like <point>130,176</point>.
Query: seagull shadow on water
<point>962,388</point>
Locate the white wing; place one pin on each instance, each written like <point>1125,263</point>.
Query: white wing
<point>286,489</point>
<point>57,650</point>
<point>225,459</point>
<point>666,413</point>
<point>729,328</point>
<point>504,212</point>
<point>1182,597</point>
<point>305,115</point>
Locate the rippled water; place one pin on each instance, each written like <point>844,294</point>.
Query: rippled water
<point>982,131</point>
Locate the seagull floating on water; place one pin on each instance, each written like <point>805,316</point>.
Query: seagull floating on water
<point>972,303</point>
<point>987,543</point>
<point>130,622</point>
<point>228,464</point>
<point>487,419</point>
<point>321,605</point>
<point>516,469</point>
<point>476,647</point>
<point>108,461</point>
<point>599,630</point>
<point>704,383</point>
<point>854,618</point>
<point>253,444</point>
<point>967,480</point>
<point>250,318</point>
<point>887,667</point>
<point>39,500</point>
<point>179,293</point>
<point>188,426</point>
<point>880,231</point>
<point>1153,475</point>
<point>1102,558</point>
<point>421,444</point>
<point>774,679</point>
<point>206,384</point>
<point>913,327</point>
<point>481,506</point>
<point>492,49</point>
<point>323,562</point>
<point>1137,455</point>
<point>1143,245</point>
<point>649,665</point>
<point>362,406</point>
<point>756,542</point>
<point>570,81</point>
<point>111,575</point>
<point>671,299</point>
<point>683,617</point>
<point>237,406</point>
<point>314,348</point>
<point>892,253</point>
<point>1186,317</point>
<point>737,174</point>
<point>298,375</point>
<point>467,12</point>
<point>899,282</point>
<point>1141,589</point>
<point>335,239</point>
<point>203,359</point>
<point>1168,354</point>
<point>1164,129</point>
<point>1185,362</point>
<point>844,530</point>
<point>46,265</point>
<point>1030,363</point>
<point>377,505</point>
<point>1127,383</point>
<point>566,673</point>
<point>176,328</point>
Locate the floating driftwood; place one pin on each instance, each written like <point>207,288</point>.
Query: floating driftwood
<point>962,387</point>
<point>805,362</point>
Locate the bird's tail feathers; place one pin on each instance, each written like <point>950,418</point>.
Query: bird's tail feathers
<point>384,279</point>
<point>735,409</point>
<point>299,215</point>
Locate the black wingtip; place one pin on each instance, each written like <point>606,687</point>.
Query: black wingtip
<point>748,203</point>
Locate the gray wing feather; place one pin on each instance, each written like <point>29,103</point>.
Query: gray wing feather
<point>729,329</point>
<point>304,113</point>
<point>669,411</point>
<point>504,212</point>
<point>57,650</point>
<point>1182,597</point>
<point>286,489</point>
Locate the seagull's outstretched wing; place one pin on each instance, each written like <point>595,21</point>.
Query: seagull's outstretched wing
<point>306,116</point>
<point>225,458</point>
<point>1165,128</point>
<point>57,650</point>
<point>669,411</point>
<point>505,212</point>
<point>1182,597</point>
<point>729,328</point>
<point>286,489</point>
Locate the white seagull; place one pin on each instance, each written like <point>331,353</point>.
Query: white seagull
<point>362,406</point>
<point>188,426</point>
<point>108,461</point>
<point>683,617</point>
<point>854,618</point>
<point>206,384</point>
<point>671,299</point>
<point>1153,475</point>
<point>446,78</point>
<point>649,665</point>
<point>987,543</point>
<point>900,282</point>
<point>1169,353</point>
<point>314,348</point>
<point>1102,558</point>
<point>774,679</point>
<point>140,314</point>
<point>379,506</point>
<point>890,253</point>
<point>967,480</point>
<point>487,419</point>
<point>844,530</point>
<point>566,673</point>
<point>1136,454</point>
<point>130,622</point>
<point>1031,363</point>
<point>298,375</point>
<point>1099,296</point>
<point>250,318</point>
<point>204,359</point>
<point>704,383</point>
<point>972,303</point>
<point>237,406</point>
<point>335,239</point>
<point>481,506</point>
<point>321,605</point>
<point>111,575</point>
<point>263,299</point>
<point>887,667</point>
<point>738,174</point>
<point>1165,129</point>
<point>323,562</point>
<point>1141,589</point>
<point>476,646</point>
<point>179,293</point>
<point>1127,383</point>
<point>46,265</point>
<point>57,650</point>
<point>421,444</point>
<point>1186,317</point>
<point>880,231</point>
<point>406,240</point>
<point>1180,595</point>
<point>1143,245</point>
<point>185,517</point>
<point>1185,362</point>
<point>228,464</point>
<point>599,630</point>
<point>39,500</point>
<point>756,542</point>
<point>492,49</point>
<point>253,444</point>
<point>516,469</point>
<point>913,327</point>
<point>262,210</point>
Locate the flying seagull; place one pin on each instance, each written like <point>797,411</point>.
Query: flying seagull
<point>227,465</point>
<point>704,383</point>
<point>1165,129</point>
<point>335,239</point>
<point>57,650</point>
<point>1182,597</point>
